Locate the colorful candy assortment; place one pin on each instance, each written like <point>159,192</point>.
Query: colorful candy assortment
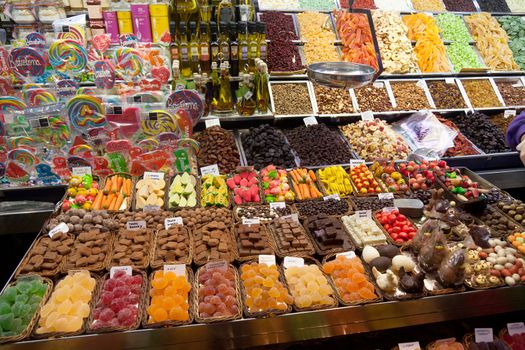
<point>275,185</point>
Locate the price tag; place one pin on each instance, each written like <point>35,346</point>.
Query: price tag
<point>332,196</point>
<point>267,259</point>
<point>516,328</point>
<point>363,214</point>
<point>483,335</point>
<point>509,113</point>
<point>409,346</point>
<point>378,85</point>
<point>255,221</point>
<point>153,175</point>
<point>449,80</point>
<point>348,255</point>
<point>135,225</point>
<point>277,205</point>
<point>356,162</point>
<point>223,265</point>
<point>210,170</point>
<point>114,269</point>
<point>150,208</point>
<point>62,227</point>
<point>81,171</point>
<point>310,121</point>
<point>389,209</point>
<point>293,217</point>
<point>385,196</point>
<point>421,84</point>
<point>178,269</point>
<point>367,116</point>
<point>169,222</point>
<point>212,122</point>
<point>291,261</point>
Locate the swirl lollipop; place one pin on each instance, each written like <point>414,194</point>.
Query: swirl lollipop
<point>189,143</point>
<point>22,156</point>
<point>21,142</point>
<point>129,62</point>
<point>86,91</point>
<point>158,122</point>
<point>148,144</point>
<point>85,112</point>
<point>74,33</point>
<point>11,103</point>
<point>39,97</point>
<point>68,55</point>
<point>27,62</point>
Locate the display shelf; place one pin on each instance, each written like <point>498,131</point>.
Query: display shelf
<point>301,326</point>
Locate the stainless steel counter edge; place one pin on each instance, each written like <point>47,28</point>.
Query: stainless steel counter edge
<point>300,326</point>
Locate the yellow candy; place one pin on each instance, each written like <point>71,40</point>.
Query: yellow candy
<point>309,286</point>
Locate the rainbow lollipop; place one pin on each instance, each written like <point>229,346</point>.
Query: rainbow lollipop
<point>11,103</point>
<point>85,112</point>
<point>189,143</point>
<point>129,62</point>
<point>159,121</point>
<point>74,33</point>
<point>68,55</point>
<point>21,142</point>
<point>57,133</point>
<point>22,156</point>
<point>149,144</point>
<point>39,97</point>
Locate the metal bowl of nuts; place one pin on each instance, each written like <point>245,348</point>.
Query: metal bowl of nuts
<point>343,75</point>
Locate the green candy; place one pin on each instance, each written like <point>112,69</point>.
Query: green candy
<point>462,55</point>
<point>24,287</point>
<point>4,308</point>
<point>515,28</point>
<point>453,28</point>
<point>319,5</point>
<point>10,294</point>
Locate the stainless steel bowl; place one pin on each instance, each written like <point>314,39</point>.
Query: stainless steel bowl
<point>343,75</point>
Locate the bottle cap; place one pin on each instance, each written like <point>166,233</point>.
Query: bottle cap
<point>193,27</point>
<point>252,27</point>
<point>261,27</point>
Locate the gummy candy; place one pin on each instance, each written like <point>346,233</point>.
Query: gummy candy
<point>349,278</point>
<point>308,286</point>
<point>212,302</point>
<point>169,300</point>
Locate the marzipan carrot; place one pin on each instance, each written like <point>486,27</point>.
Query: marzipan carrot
<point>98,201</point>
<point>107,187</point>
<point>120,199</point>
<point>113,202</point>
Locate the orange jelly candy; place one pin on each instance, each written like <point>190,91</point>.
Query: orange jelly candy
<point>169,298</point>
<point>349,278</point>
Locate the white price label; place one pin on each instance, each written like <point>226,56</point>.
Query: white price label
<point>348,255</point>
<point>385,196</point>
<point>332,196</point>
<point>178,269</point>
<point>169,222</point>
<point>516,328</point>
<point>293,217</point>
<point>356,162</point>
<point>362,214</point>
<point>212,122</point>
<point>62,227</point>
<point>153,175</point>
<point>81,171</point>
<point>483,335</point>
<point>150,208</point>
<point>378,85</point>
<point>210,170</point>
<point>277,205</point>
<point>421,84</point>
<point>367,116</point>
<point>409,346</point>
<point>135,225</point>
<point>255,221</point>
<point>310,121</point>
<point>223,265</point>
<point>267,259</point>
<point>292,261</point>
<point>389,209</point>
<point>509,113</point>
<point>449,80</point>
<point>114,269</point>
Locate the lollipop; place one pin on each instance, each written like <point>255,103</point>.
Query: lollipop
<point>22,156</point>
<point>68,55</point>
<point>104,73</point>
<point>27,61</point>
<point>129,62</point>
<point>159,121</point>
<point>80,150</point>
<point>189,143</point>
<point>86,91</point>
<point>21,142</point>
<point>11,103</point>
<point>149,144</point>
<point>85,112</point>
<point>74,33</point>
<point>57,133</point>
<point>189,100</point>
<point>39,97</point>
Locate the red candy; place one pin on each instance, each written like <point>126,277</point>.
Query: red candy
<point>245,187</point>
<point>423,175</point>
<point>397,225</point>
<point>217,295</point>
<point>118,302</point>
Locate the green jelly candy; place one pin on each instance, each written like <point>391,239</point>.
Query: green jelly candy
<point>21,298</point>
<point>20,309</point>
<point>18,327</point>
<point>10,294</point>
<point>35,299</point>
<point>6,322</point>
<point>5,308</point>
<point>32,309</point>
<point>40,289</point>
<point>24,287</point>
<point>9,334</point>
